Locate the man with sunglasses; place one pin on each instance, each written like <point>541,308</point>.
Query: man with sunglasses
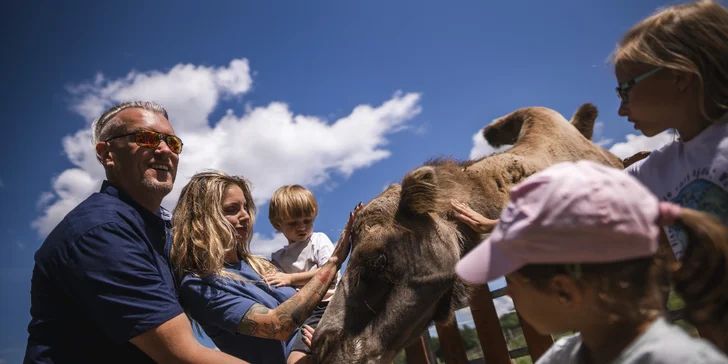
<point>103,290</point>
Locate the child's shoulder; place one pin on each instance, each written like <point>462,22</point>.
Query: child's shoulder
<point>666,342</point>
<point>563,351</point>
<point>320,238</point>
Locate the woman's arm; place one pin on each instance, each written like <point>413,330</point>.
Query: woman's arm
<point>279,323</point>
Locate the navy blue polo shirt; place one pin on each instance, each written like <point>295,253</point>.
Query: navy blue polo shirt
<point>101,278</point>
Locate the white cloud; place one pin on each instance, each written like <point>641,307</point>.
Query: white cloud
<point>640,143</point>
<point>503,305</point>
<point>481,148</point>
<point>597,135</point>
<point>464,316</point>
<point>269,144</point>
<point>188,92</point>
<point>44,199</point>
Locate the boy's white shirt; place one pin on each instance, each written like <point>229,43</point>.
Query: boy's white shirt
<point>691,174</point>
<point>306,255</point>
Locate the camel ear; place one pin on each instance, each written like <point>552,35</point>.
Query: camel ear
<point>584,118</point>
<point>419,191</point>
<point>506,129</point>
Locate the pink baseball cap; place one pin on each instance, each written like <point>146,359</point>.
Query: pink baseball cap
<point>571,212</point>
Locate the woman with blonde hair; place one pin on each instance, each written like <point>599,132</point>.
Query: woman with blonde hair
<point>220,280</point>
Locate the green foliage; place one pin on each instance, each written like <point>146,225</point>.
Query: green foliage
<point>401,358</point>
<point>560,335</point>
<point>517,341</point>
<point>509,321</point>
<point>435,344</point>
<point>674,301</point>
<point>470,337</point>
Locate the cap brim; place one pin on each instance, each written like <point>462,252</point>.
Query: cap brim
<point>487,262</point>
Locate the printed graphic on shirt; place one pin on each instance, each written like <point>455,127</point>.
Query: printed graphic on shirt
<point>703,194</point>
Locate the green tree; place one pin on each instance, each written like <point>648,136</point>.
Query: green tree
<point>509,321</point>
<point>401,358</point>
<point>470,337</point>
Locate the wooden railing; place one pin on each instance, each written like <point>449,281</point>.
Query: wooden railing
<point>490,335</point>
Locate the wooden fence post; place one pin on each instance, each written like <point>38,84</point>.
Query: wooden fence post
<point>487,324</point>
<point>420,351</point>
<point>536,342</point>
<point>450,342</point>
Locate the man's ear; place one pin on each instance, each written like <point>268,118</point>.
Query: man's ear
<point>103,154</point>
<point>567,290</point>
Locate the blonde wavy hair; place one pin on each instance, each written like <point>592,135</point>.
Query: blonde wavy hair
<point>202,236</point>
<point>690,38</point>
<point>291,202</point>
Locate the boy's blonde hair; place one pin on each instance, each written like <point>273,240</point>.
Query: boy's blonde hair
<point>691,38</point>
<point>291,202</point>
<point>201,234</point>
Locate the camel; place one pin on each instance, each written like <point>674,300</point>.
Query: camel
<point>407,240</point>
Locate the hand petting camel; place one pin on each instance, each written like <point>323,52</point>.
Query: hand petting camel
<point>475,220</point>
<point>406,241</point>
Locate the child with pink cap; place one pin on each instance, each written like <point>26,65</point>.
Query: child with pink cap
<point>577,243</point>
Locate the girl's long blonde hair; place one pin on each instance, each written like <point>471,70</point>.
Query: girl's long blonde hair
<point>690,38</point>
<point>202,236</point>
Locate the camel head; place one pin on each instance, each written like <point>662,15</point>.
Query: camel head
<point>407,241</point>
<point>400,274</point>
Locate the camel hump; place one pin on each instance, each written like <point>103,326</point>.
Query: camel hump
<point>584,118</point>
<point>508,129</point>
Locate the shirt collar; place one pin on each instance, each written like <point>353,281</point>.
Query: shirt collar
<point>109,189</point>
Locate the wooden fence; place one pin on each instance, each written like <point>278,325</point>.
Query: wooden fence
<point>490,335</point>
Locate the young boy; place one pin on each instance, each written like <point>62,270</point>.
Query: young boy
<point>292,211</point>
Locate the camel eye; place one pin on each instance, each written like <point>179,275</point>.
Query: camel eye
<point>380,263</point>
<point>373,269</point>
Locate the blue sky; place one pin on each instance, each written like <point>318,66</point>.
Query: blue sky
<point>278,92</point>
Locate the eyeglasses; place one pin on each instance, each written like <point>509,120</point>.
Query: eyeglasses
<point>151,139</point>
<point>623,89</point>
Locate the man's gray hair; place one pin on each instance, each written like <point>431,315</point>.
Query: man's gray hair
<point>106,124</point>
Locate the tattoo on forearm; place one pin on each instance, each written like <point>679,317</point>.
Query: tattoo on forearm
<point>248,324</point>
<point>280,323</point>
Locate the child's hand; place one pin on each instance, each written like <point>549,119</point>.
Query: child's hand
<point>307,335</point>
<point>278,279</point>
<point>473,219</point>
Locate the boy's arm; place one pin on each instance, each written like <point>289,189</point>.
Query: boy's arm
<point>300,279</point>
<point>281,279</point>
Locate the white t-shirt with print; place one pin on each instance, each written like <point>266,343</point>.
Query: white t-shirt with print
<point>304,256</point>
<point>691,174</point>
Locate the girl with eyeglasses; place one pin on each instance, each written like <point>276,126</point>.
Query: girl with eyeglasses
<point>672,73</point>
